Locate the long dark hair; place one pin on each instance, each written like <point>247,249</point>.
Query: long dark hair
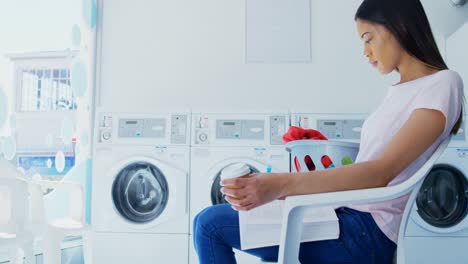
<point>408,23</point>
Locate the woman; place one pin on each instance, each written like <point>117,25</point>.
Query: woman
<point>416,115</point>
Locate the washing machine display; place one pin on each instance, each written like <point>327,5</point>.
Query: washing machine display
<point>231,130</point>
<point>334,126</point>
<point>150,128</point>
<point>216,196</point>
<point>140,192</point>
<point>443,198</point>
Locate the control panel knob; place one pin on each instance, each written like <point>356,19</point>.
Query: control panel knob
<point>202,137</point>
<point>106,136</point>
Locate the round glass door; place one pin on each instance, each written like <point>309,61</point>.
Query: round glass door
<point>140,192</point>
<point>443,198</point>
<point>216,196</point>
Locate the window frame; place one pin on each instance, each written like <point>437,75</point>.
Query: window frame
<point>39,62</point>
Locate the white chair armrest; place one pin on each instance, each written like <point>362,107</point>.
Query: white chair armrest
<point>344,198</point>
<point>295,205</point>
<point>77,197</point>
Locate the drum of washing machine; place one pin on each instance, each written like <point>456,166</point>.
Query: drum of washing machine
<point>140,192</point>
<point>443,198</point>
<point>216,196</point>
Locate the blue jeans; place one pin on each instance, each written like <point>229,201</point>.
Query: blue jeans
<point>216,233</point>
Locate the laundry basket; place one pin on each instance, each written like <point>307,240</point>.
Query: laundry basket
<point>309,155</point>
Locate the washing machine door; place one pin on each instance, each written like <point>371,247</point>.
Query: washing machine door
<point>140,192</point>
<point>443,198</point>
<point>216,196</point>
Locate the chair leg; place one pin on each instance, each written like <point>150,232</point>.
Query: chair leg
<point>52,251</point>
<point>87,248</point>
<point>15,256</point>
<point>28,250</point>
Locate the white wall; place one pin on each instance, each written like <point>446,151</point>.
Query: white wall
<point>191,53</point>
<point>32,26</point>
<point>457,55</point>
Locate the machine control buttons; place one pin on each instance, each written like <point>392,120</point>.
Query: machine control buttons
<point>203,122</point>
<point>106,121</point>
<point>106,135</point>
<point>178,129</point>
<point>259,152</point>
<point>160,149</point>
<point>304,122</point>
<point>277,129</point>
<point>340,129</point>
<point>202,137</point>
<point>142,128</point>
<point>243,129</point>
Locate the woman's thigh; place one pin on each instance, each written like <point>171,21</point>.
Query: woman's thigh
<point>360,241</point>
<point>222,222</point>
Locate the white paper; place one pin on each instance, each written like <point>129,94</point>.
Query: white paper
<point>261,226</point>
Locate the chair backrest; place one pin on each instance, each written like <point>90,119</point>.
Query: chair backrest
<point>21,201</point>
<point>417,180</point>
<point>14,205</point>
<point>75,192</point>
<point>14,199</point>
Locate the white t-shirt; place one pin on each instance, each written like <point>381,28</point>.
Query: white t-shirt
<point>442,91</point>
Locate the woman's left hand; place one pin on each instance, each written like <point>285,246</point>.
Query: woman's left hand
<point>256,190</point>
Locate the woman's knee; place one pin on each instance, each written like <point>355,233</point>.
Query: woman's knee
<point>211,217</point>
<point>206,217</point>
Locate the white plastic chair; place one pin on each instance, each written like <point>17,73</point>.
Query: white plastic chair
<point>296,205</point>
<point>15,229</point>
<point>54,231</point>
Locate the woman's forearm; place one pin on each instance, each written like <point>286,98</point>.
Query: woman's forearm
<point>357,176</point>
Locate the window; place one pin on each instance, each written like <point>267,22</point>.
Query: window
<point>43,82</point>
<point>43,91</point>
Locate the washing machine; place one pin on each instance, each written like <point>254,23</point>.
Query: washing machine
<point>140,187</point>
<point>219,140</point>
<point>436,230</point>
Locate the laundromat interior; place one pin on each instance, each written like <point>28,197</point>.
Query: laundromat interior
<point>120,119</point>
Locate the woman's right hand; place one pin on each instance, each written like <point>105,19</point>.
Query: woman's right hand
<point>256,190</point>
